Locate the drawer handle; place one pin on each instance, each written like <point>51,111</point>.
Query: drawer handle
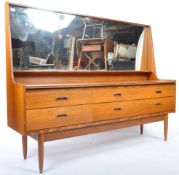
<point>117,109</point>
<point>118,94</point>
<point>158,104</point>
<point>61,116</point>
<point>61,98</point>
<point>158,92</point>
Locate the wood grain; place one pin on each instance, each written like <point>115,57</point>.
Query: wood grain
<point>15,92</point>
<point>101,84</point>
<point>61,78</point>
<point>116,120</point>
<point>100,128</point>
<point>66,97</point>
<point>41,152</point>
<point>63,116</point>
<point>58,104</point>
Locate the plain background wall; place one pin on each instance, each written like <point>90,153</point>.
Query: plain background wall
<point>162,15</point>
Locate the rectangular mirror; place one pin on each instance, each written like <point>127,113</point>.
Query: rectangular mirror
<point>46,40</point>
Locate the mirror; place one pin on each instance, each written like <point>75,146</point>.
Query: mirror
<point>59,41</point>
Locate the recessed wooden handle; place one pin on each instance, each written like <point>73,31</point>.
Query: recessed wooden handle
<point>158,92</point>
<point>61,98</point>
<point>118,94</point>
<point>158,104</point>
<point>117,109</point>
<point>61,116</point>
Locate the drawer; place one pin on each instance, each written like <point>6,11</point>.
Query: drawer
<point>63,116</point>
<point>65,97</point>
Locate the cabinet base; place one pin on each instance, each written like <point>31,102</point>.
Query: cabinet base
<point>42,137</point>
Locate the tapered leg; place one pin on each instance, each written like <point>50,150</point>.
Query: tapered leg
<point>141,129</point>
<point>24,146</point>
<point>41,151</point>
<point>166,127</point>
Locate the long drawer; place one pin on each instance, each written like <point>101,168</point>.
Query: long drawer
<point>74,96</point>
<point>63,116</point>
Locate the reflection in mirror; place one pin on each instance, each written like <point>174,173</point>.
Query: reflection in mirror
<point>48,40</point>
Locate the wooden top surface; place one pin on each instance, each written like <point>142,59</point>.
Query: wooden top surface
<point>101,84</point>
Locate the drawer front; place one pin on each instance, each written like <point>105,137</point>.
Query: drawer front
<point>63,116</point>
<point>65,97</point>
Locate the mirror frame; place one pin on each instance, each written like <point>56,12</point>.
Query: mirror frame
<point>147,60</point>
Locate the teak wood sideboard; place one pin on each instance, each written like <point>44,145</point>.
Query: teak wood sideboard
<point>55,104</point>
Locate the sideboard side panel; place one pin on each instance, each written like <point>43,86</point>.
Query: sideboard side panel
<point>15,92</point>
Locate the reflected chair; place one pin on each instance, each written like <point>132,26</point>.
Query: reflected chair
<point>93,49</point>
<point>96,27</point>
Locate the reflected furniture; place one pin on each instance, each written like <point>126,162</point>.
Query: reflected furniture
<point>55,104</point>
<point>95,26</point>
<point>92,49</point>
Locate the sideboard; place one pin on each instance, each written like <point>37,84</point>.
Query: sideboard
<point>51,101</point>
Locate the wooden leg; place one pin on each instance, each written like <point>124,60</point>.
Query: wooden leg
<point>141,129</point>
<point>165,127</point>
<point>41,151</point>
<point>24,146</point>
<point>79,60</point>
<point>105,54</point>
